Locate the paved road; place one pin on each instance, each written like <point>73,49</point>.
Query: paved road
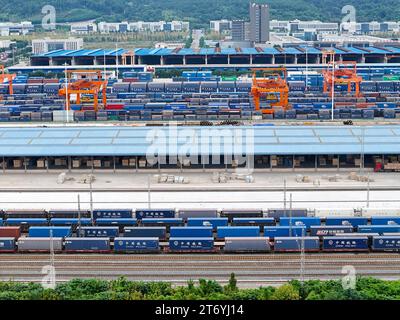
<point>251,270</point>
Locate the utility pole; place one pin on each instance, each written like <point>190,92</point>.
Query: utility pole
<point>116,60</point>
<point>333,85</point>
<point>290,215</point>
<point>306,68</point>
<point>302,258</point>
<point>91,202</point>
<point>51,250</point>
<point>148,192</point>
<point>79,216</point>
<point>66,93</point>
<point>284,195</point>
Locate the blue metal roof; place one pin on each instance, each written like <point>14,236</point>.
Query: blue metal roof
<point>137,141</point>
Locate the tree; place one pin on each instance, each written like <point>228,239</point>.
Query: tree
<point>286,292</point>
<point>202,42</point>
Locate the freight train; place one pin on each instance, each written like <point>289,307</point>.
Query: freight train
<point>168,230</point>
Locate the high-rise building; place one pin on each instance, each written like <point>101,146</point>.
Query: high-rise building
<point>40,46</point>
<point>259,23</point>
<point>238,30</point>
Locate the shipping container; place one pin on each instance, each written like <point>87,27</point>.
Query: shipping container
<point>136,244</point>
<point>247,244</point>
<point>191,244</point>
<point>88,232</point>
<point>281,231</point>
<point>162,221</point>
<point>99,245</point>
<point>298,221</point>
<point>278,213</point>
<point>207,222</point>
<point>385,220</point>
<point>70,222</point>
<point>27,222</point>
<point>386,243</point>
<point>241,213</point>
<point>253,221</point>
<point>10,232</point>
<point>155,213</point>
<point>7,245</point>
<point>112,213</point>
<point>145,232</point>
<point>379,228</point>
<point>339,243</point>
<point>353,221</point>
<point>46,232</point>
<point>245,231</point>
<point>25,214</point>
<point>121,222</point>
<point>197,213</point>
<point>68,214</point>
<point>39,244</point>
<point>330,230</point>
<point>191,232</point>
<point>295,244</point>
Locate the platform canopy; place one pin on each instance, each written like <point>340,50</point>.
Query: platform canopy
<point>139,141</point>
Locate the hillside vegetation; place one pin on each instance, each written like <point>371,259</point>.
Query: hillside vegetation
<point>198,12</point>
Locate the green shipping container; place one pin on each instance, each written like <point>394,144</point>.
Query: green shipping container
<point>391,78</point>
<point>229,78</point>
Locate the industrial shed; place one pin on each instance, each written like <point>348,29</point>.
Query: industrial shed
<point>273,147</point>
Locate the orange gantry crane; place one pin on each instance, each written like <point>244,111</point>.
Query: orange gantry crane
<point>272,84</point>
<point>87,82</point>
<point>345,73</point>
<point>9,77</point>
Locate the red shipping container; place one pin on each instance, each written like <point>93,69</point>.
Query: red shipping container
<point>35,81</point>
<point>115,106</point>
<point>130,80</point>
<point>10,232</point>
<point>50,81</point>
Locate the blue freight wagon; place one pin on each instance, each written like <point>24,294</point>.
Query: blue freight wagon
<point>278,213</point>
<point>7,245</point>
<point>339,243</point>
<point>155,213</point>
<point>162,221</point>
<point>386,243</point>
<point>92,245</point>
<point>112,213</point>
<point>206,222</point>
<point>252,231</point>
<point>280,231</point>
<point>295,244</point>
<point>145,232</point>
<point>306,221</point>
<point>330,230</point>
<point>379,229</point>
<point>353,221</point>
<point>121,222</point>
<point>70,222</point>
<point>43,232</point>
<point>136,245</point>
<point>191,232</point>
<point>253,221</point>
<point>87,232</point>
<point>191,244</point>
<point>385,220</point>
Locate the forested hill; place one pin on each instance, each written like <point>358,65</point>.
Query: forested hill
<point>197,12</point>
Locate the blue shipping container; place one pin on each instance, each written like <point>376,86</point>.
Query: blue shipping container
<point>26,221</point>
<point>44,232</point>
<point>191,232</point>
<point>89,232</point>
<point>253,221</point>
<point>280,231</point>
<point>385,220</point>
<point>87,244</point>
<point>155,213</point>
<point>298,221</point>
<point>7,245</point>
<point>136,244</point>
<point>329,230</point>
<point>253,231</point>
<point>296,243</point>
<point>112,213</point>
<point>140,232</point>
<point>379,229</point>
<point>354,221</point>
<point>162,221</point>
<point>184,244</point>
<point>70,221</point>
<point>338,243</point>
<point>205,222</point>
<point>386,243</point>
<point>116,222</point>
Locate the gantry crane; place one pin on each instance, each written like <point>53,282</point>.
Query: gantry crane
<point>273,83</point>
<point>341,72</point>
<point>88,82</point>
<point>9,77</point>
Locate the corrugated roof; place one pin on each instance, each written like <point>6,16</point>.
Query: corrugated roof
<point>135,141</point>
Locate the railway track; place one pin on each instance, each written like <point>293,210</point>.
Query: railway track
<point>250,270</point>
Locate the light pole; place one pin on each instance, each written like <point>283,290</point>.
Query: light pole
<point>116,60</point>
<point>306,68</point>
<point>333,84</point>
<point>66,92</point>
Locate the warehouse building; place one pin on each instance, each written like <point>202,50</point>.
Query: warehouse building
<point>142,148</point>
